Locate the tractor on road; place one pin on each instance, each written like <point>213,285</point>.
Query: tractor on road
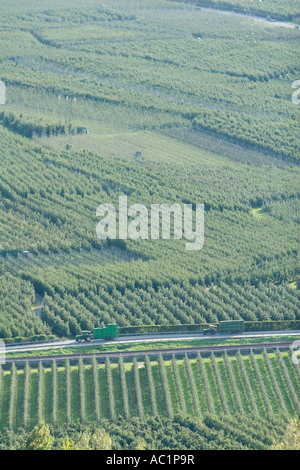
<point>108,333</point>
<point>211,330</point>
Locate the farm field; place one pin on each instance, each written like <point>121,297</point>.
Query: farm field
<point>64,203</point>
<point>263,384</point>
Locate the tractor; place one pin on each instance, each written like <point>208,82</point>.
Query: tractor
<point>84,336</point>
<point>211,330</point>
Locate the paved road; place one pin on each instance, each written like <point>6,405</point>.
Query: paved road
<point>148,338</point>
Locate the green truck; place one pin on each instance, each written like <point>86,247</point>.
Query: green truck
<point>107,333</point>
<point>229,326</point>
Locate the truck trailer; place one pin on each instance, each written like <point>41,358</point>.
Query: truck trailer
<point>232,326</point>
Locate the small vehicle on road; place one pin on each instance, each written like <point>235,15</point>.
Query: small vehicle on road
<point>108,333</point>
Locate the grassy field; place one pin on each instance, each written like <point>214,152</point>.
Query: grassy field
<point>261,384</point>
<point>73,258</point>
<point>235,275</point>
<point>120,144</point>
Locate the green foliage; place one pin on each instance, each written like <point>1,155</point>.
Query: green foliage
<point>205,382</point>
<point>151,385</point>
<point>97,397</point>
<point>220,385</point>
<point>288,11</point>
<point>169,308</point>
<point>54,394</point>
<point>22,125</point>
<point>248,132</point>
<point>16,315</point>
<point>41,394</point>
<point>223,80</point>
<point>82,391</point>
<point>257,384</point>
<point>12,397</point>
<point>234,386</point>
<point>193,386</point>
<point>165,386</point>
<point>137,387</point>
<point>289,383</point>
<point>87,288</point>
<point>99,440</point>
<point>275,384</point>
<point>110,386</point>
<point>68,392</point>
<point>211,433</point>
<point>216,125</point>
<point>124,388</point>
<point>231,386</point>
<point>260,380</point>
<point>291,438</point>
<point>27,388</point>
<point>40,438</point>
<point>247,384</point>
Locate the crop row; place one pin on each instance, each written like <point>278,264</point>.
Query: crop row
<point>264,385</point>
<point>17,298</point>
<point>174,305</point>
